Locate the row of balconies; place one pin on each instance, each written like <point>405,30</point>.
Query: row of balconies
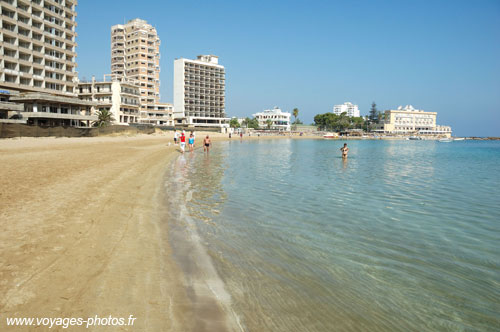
<point>29,58</point>
<point>202,91</point>
<point>204,72</point>
<point>202,97</point>
<point>203,67</point>
<point>206,86</point>
<point>47,65</point>
<point>25,5</point>
<point>42,82</point>
<point>34,43</point>
<point>201,103</point>
<point>211,82</point>
<point>31,20</point>
<point>206,113</point>
<point>27,71</point>
<point>203,77</point>
<point>13,32</point>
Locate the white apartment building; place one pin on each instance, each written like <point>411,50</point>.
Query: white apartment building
<point>119,95</point>
<point>279,120</point>
<point>408,120</point>
<point>347,107</point>
<point>161,114</point>
<point>38,64</point>
<point>199,92</point>
<point>135,53</point>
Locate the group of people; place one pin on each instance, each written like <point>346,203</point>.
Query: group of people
<point>181,139</point>
<point>207,142</point>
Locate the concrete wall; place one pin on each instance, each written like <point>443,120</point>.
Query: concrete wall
<point>11,130</point>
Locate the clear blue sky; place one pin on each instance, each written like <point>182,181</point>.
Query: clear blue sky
<point>441,56</point>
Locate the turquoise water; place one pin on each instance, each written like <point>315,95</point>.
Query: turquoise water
<point>403,236</point>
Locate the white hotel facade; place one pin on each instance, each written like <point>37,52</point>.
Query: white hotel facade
<point>408,120</point>
<point>347,107</point>
<point>199,92</point>
<point>280,120</point>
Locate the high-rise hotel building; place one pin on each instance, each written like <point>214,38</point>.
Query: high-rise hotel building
<point>38,46</point>
<point>135,54</point>
<point>199,92</point>
<point>38,64</point>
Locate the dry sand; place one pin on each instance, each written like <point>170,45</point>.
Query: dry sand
<point>83,233</point>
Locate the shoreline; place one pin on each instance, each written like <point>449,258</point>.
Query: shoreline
<point>85,231</point>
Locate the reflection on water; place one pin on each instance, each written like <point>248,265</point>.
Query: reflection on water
<point>400,236</point>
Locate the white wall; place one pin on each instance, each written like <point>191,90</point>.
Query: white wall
<point>179,88</point>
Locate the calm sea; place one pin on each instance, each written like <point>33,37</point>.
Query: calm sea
<point>403,236</point>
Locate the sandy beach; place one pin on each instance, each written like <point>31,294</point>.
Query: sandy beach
<point>83,234</point>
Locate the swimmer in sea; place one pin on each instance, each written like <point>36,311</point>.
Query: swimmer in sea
<point>344,150</point>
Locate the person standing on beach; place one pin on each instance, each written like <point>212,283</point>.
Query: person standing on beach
<point>344,150</point>
<point>206,143</point>
<point>191,143</point>
<point>176,136</point>
<point>183,142</point>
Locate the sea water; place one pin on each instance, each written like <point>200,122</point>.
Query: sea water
<point>401,236</point>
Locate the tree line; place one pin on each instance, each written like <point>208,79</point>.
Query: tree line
<point>332,122</point>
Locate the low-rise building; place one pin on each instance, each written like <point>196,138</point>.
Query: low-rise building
<point>119,95</point>
<point>279,120</point>
<point>408,120</point>
<point>348,108</point>
<point>159,114</point>
<point>44,109</point>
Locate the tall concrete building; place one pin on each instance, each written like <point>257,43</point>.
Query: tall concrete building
<point>38,46</point>
<point>38,64</point>
<point>135,54</point>
<point>199,92</point>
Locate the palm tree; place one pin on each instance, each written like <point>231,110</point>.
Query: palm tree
<point>245,122</point>
<point>269,123</point>
<point>104,118</point>
<point>295,113</point>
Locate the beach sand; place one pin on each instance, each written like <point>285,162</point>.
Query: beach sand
<point>83,234</point>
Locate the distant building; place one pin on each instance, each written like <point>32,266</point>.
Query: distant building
<point>408,120</point>
<point>199,92</point>
<point>135,53</point>
<point>280,120</point>
<point>119,95</point>
<point>347,107</point>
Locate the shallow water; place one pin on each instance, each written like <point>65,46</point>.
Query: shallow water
<point>404,235</point>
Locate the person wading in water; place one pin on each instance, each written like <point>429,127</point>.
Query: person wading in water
<point>344,150</point>
<point>206,143</point>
